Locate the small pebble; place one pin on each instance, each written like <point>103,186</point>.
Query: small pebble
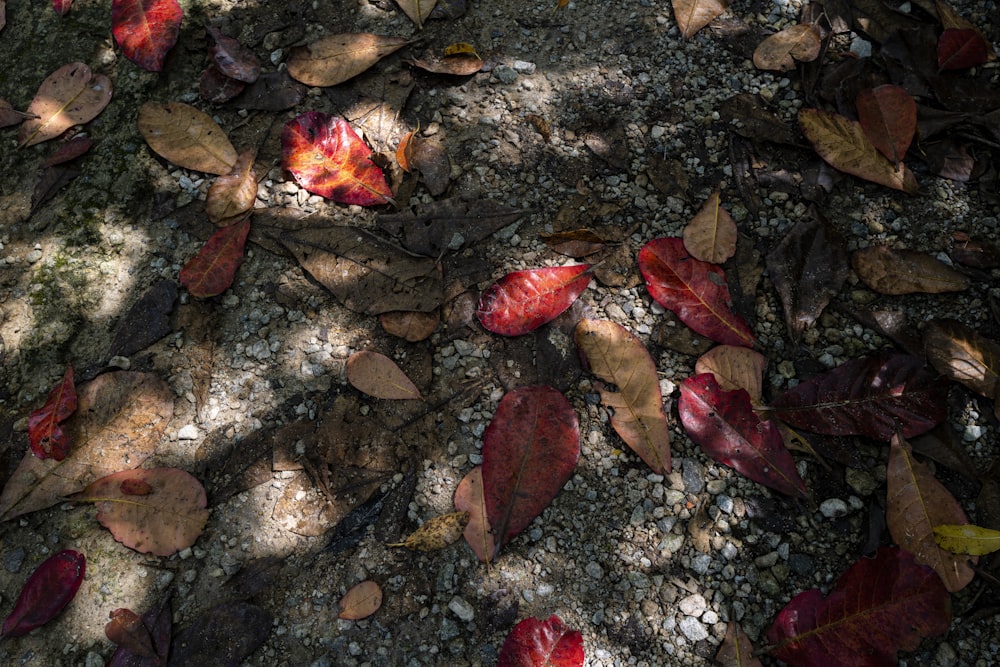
<point>833,508</point>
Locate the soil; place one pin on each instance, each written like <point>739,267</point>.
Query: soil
<point>593,115</point>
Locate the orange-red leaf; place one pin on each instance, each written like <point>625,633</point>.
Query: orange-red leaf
<point>537,643</point>
<point>146,30</point>
<point>525,300</point>
<point>62,7</point>
<point>47,438</point>
<point>213,269</point>
<point>888,115</point>
<point>329,159</point>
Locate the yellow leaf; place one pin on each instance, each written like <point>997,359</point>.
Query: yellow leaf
<point>460,47</point>
<point>967,539</point>
<point>436,533</point>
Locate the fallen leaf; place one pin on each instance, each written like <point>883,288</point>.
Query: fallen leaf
<point>377,375</point>
<point>48,590</point>
<point>328,158</point>
<point>725,426</point>
<point>736,649</point>
<point>975,252</point>
<point>410,325</point>
<point>530,450</point>
<point>127,630</point>
<point>961,48</point>
<point>915,503</point>
<point>967,539</point>
<point>8,114</point>
<point>62,7</point>
<point>780,51</point>
<point>213,269</point>
<point>158,622</point>
<point>146,321</point>
<point>694,290</point>
<point>958,352</point>
<point>53,180</point>
<point>348,532</point>
<point>618,357</point>
<point>522,301</point>
<point>735,367</point>
<point>436,533</point>
<point>187,137</point>
<point>273,91</point>
<point>890,271</point>
<point>429,158</point>
<point>842,143</point>
<point>46,436</point>
<point>888,116</point>
<point>456,64</point>
<point>146,30</point>
<point>871,396</point>
<point>216,87</point>
<point>711,234</point>
<point>417,10</point>
<point>232,58</point>
<point>470,498</point>
<point>72,149</point>
<point>575,243</point>
<point>693,15</point>
<point>336,58</point>
<point>119,419</point>
<point>224,636</point>
<point>361,601</point>
<point>537,643</point>
<point>233,194</point>
<point>808,268</point>
<point>72,95</point>
<point>878,607</point>
<point>166,520</point>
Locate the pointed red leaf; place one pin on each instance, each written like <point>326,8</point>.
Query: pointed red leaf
<point>48,440</point>
<point>537,643</point>
<point>71,150</point>
<point>522,301</point>
<point>726,427</point>
<point>213,269</point>
<point>878,607</point>
<point>959,48</point>
<point>328,158</point>
<point>888,115</point>
<point>872,396</point>
<point>62,7</point>
<point>146,30</point>
<point>694,290</point>
<point>530,449</point>
<point>48,590</point>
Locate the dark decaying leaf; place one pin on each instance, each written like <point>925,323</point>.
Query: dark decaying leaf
<point>522,301</point>
<point>780,51</point>
<point>530,450</point>
<point>52,181</point>
<point>216,87</point>
<point>410,325</point>
<point>575,243</point>
<point>537,643</point>
<point>128,631</point>
<point>447,224</point>
<point>878,607</point>
<point>365,273</point>
<point>224,636</point>
<point>873,396</point>
<point>48,590</point>
<point>232,58</point>
<point>736,649</point>
<point>725,426</point>
<point>158,622</point>
<point>146,30</point>
<point>458,64</point>
<point>273,91</point>
<point>348,533</point>
<point>888,115</point>
<point>47,438</point>
<point>9,115</point>
<point>70,150</point>
<point>891,271</point>
<point>808,267</point>
<point>213,269</point>
<point>961,48</point>
<point>146,321</point>
<point>975,252</point>
<point>963,355</point>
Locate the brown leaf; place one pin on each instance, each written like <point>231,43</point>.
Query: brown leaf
<point>469,498</point>
<point>459,64</point>
<point>187,137</point>
<point>779,52</point>
<point>736,649</point>
<point>410,325</point>
<point>377,375</point>
<point>693,15</point>
<point>735,367</point>
<point>9,115</point>
<point>233,194</point>
<point>888,115</point>
<point>429,158</point>
<point>958,352</point>
<point>361,601</point>
<point>842,143</point>
<point>118,423</point>
<point>336,58</point>
<point>126,629</point>
<point>711,234</point>
<point>575,243</point>
<point>436,533</point>
<point>889,271</point>
<point>915,503</point>
<point>417,10</point>
<point>72,95</point>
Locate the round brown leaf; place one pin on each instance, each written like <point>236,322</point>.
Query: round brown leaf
<point>233,194</point>
<point>377,375</point>
<point>187,137</point>
<point>410,325</point>
<point>889,271</point>
<point>711,234</point>
<point>780,51</point>
<point>361,601</point>
<point>735,367</point>
<point>336,58</point>
<point>72,95</point>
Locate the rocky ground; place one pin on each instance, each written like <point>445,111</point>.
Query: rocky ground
<point>595,115</point>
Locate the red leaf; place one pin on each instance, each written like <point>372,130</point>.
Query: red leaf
<point>48,440</point>
<point>232,58</point>
<point>126,629</point>
<point>158,624</point>
<point>525,300</point>
<point>959,48</point>
<point>213,269</point>
<point>329,159</point>
<point>146,30</point>
<point>872,396</point>
<point>135,487</point>
<point>724,424</point>
<point>71,150</point>
<point>62,7</point>
<point>878,607</point>
<point>530,449</point>
<point>48,590</point>
<point>537,643</point>
<point>694,290</point>
<point>888,115</point>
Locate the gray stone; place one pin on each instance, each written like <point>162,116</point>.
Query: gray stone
<point>693,629</point>
<point>693,605</point>
<point>833,508</point>
<point>462,609</point>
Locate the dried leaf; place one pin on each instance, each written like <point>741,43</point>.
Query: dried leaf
<point>46,436</point>
<point>961,48</point>
<point>72,95</point>
<point>361,601</point>
<point>693,15</point>
<point>457,64</point>
<point>470,498</point>
<point>377,375</point>
<point>158,623</point>
<point>417,10</point>
<point>975,252</point>
<point>888,115</point>
<point>410,325</point>
<point>522,301</point>
<point>842,143</point>
<point>781,50</point>
<point>436,533</point>
<point>958,352</point>
<point>224,636</point>
<point>618,357</point>
<point>146,30</point>
<point>915,503</point>
<point>537,643</point>
<point>72,149</point>
<point>48,590</point>
<point>231,58</point>
<point>736,649</point>
<point>127,630</point>
<point>967,539</point>
<point>187,137</point>
<point>213,269</point>
<point>273,91</point>
<point>711,234</point>
<point>575,243</point>
<point>216,87</point>
<point>890,271</point>
<point>735,367</point>
<point>9,115</point>
<point>233,194</point>
<point>336,58</point>
<point>146,321</point>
